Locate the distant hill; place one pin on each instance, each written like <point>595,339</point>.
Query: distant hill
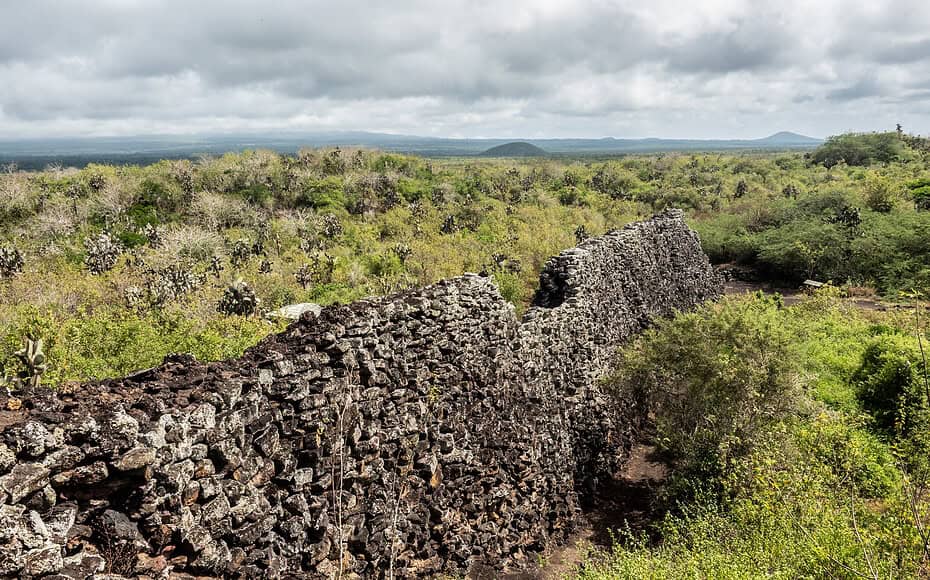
<point>515,149</point>
<point>789,138</point>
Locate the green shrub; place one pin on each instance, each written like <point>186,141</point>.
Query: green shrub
<point>326,193</point>
<point>803,249</point>
<point>724,239</point>
<point>510,286</point>
<point>715,380</point>
<point>383,265</point>
<point>165,198</point>
<point>894,387</point>
<point>880,195</point>
<point>853,454</point>
<point>257,194</point>
<point>571,195</point>
<point>921,197</point>
<point>859,149</point>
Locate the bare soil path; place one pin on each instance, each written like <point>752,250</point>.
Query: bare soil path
<point>792,296</point>
<point>627,501</point>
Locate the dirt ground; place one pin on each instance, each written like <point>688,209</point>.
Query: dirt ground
<point>792,296</point>
<point>626,501</point>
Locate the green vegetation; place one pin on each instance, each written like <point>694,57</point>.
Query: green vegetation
<point>860,149</point>
<point>715,380</point>
<point>115,267</point>
<point>156,247</point>
<point>798,437</point>
<point>853,219</point>
<point>775,478</point>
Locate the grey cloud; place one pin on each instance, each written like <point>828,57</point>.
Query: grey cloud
<point>860,89</point>
<point>751,46</point>
<point>458,66</point>
<point>904,51</point>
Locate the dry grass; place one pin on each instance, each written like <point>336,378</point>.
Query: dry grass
<point>217,212</point>
<point>113,201</point>
<point>187,243</point>
<point>56,220</point>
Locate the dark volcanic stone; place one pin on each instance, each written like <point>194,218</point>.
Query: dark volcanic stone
<point>431,431</point>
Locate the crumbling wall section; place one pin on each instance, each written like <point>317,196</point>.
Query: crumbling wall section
<point>403,436</point>
<point>593,298</point>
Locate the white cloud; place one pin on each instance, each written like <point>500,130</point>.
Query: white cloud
<point>718,68</point>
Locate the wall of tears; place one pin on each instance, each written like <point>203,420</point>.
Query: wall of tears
<point>420,433</point>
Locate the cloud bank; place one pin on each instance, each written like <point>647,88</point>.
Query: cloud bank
<point>472,68</point>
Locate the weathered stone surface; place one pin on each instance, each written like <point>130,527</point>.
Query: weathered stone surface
<point>430,429</point>
<point>117,527</point>
<point>7,458</point>
<point>135,458</point>
<point>90,474</point>
<point>42,561</point>
<point>83,565</point>
<point>24,479</point>
<point>59,522</point>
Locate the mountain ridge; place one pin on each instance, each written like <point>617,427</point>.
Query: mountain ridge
<point>38,152</point>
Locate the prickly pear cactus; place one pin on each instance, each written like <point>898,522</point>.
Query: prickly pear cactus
<point>240,252</point>
<point>152,234</point>
<point>102,253</point>
<point>11,262</point>
<point>97,182</point>
<point>581,234</point>
<point>134,296</point>
<point>448,225</point>
<point>402,251</point>
<point>330,227</point>
<point>216,266</point>
<point>183,172</point>
<point>166,284</point>
<point>304,276</point>
<point>238,298</point>
<point>319,271</point>
<point>34,364</point>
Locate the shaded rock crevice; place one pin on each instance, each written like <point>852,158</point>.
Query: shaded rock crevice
<point>426,432</point>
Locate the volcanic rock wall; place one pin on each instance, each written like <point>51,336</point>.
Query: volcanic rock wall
<point>425,432</point>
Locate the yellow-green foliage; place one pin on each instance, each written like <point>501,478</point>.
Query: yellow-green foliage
<point>790,219</point>
<point>262,217</point>
<point>715,380</point>
<point>825,492</point>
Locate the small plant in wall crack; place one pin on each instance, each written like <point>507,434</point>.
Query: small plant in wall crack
<point>341,407</point>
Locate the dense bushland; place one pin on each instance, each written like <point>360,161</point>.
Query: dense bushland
<point>857,219</point>
<point>114,267</point>
<point>797,441</point>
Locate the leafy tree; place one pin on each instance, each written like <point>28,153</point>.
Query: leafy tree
<point>920,193</point>
<point>859,149</point>
<point>889,383</point>
<point>715,380</point>
<point>879,194</point>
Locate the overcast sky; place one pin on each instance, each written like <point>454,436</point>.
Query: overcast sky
<point>474,68</point>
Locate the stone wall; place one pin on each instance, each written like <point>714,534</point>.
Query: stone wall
<point>421,433</point>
